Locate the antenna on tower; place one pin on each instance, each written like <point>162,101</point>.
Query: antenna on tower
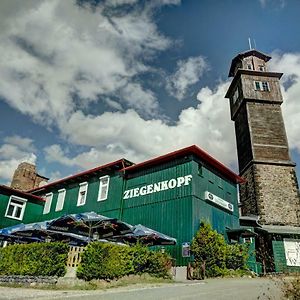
<point>249,40</point>
<point>254,44</point>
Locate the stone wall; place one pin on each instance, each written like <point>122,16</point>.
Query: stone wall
<point>26,178</point>
<point>248,197</point>
<point>272,193</point>
<point>29,280</point>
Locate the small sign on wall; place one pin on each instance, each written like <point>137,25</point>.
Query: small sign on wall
<point>186,249</point>
<point>218,201</point>
<point>292,252</point>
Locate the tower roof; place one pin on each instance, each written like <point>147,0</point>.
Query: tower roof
<point>242,55</point>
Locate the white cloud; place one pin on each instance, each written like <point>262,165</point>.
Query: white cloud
<point>125,134</point>
<point>120,2</point>
<point>188,73</point>
<point>265,3</point>
<point>289,64</point>
<point>139,99</point>
<point>13,151</point>
<point>58,57</point>
<point>98,58</point>
<point>20,142</point>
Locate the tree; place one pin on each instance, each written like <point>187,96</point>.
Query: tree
<point>209,250</point>
<point>213,256</point>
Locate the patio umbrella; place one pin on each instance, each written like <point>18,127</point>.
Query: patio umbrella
<point>17,239</point>
<point>34,232</point>
<point>147,236</point>
<point>90,225</point>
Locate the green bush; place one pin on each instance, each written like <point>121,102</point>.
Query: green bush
<point>154,263</point>
<point>236,256</point>
<point>209,249</point>
<point>213,256</point>
<point>110,261</point>
<point>36,259</point>
<point>105,261</point>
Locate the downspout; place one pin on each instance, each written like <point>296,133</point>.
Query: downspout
<point>122,192</point>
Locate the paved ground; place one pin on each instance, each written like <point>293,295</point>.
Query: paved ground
<point>225,289</point>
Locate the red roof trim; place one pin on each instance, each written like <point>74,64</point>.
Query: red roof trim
<point>20,193</point>
<point>120,161</point>
<point>185,151</point>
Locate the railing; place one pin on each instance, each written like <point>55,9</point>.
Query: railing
<point>74,257</point>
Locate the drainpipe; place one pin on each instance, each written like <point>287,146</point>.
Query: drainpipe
<point>122,192</point>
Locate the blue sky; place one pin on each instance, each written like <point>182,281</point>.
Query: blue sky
<point>84,83</point>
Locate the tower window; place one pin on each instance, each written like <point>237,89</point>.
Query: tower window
<point>265,86</point>
<point>257,85</point>
<point>262,86</point>
<point>261,68</point>
<point>249,67</point>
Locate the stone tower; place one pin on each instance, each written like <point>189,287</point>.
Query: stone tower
<point>271,191</point>
<point>26,178</point>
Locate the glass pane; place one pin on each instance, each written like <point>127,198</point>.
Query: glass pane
<point>10,210</point>
<point>82,197</point>
<point>48,203</point>
<point>104,181</point>
<point>103,192</point>
<point>265,86</point>
<point>17,202</point>
<point>18,211</point>
<point>60,200</point>
<point>103,188</point>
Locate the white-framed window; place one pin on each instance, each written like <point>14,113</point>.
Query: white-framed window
<point>265,86</point>
<point>48,203</point>
<point>60,199</point>
<point>257,85</point>
<point>16,208</point>
<point>262,86</point>
<point>83,187</point>
<point>249,66</point>
<point>103,188</point>
<point>261,68</point>
<point>248,240</point>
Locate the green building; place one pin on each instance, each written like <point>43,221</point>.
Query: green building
<point>171,194</point>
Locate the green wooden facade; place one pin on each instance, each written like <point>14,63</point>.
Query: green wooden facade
<point>32,212</point>
<point>166,194</point>
<point>178,211</point>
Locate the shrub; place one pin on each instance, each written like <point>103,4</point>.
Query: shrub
<point>209,250</point>
<point>236,256</point>
<point>213,257</point>
<point>154,263</point>
<point>36,259</point>
<point>105,261</point>
<point>110,261</point>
